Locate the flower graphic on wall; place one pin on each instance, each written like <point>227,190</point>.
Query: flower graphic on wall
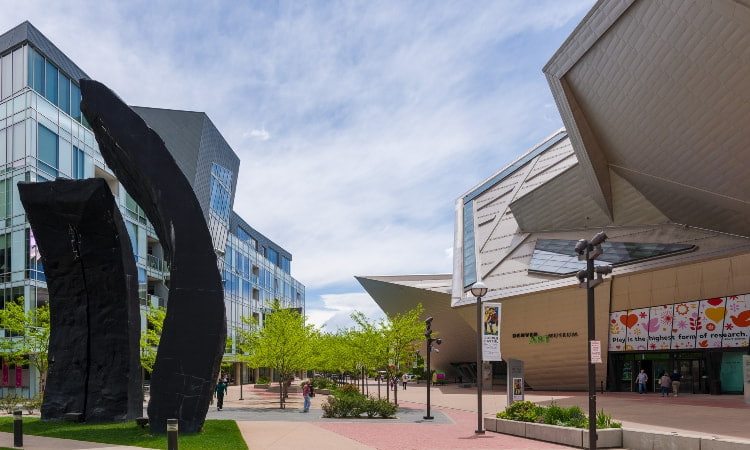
<point>710,327</point>
<point>666,319</point>
<point>682,324</point>
<point>682,309</point>
<point>695,322</point>
<point>636,331</point>
<point>643,314</point>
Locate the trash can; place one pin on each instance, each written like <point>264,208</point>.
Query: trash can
<point>714,387</point>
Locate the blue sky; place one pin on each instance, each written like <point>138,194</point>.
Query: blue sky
<point>358,123</point>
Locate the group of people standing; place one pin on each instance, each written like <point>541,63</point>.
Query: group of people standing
<point>665,382</point>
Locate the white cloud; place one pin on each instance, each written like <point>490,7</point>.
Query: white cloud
<point>382,113</point>
<point>261,135</point>
<point>334,310</point>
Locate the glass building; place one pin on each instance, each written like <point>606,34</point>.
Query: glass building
<point>43,136</point>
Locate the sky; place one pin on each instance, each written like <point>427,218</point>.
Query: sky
<point>358,123</point>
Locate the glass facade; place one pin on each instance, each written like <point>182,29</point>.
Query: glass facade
<point>558,257</point>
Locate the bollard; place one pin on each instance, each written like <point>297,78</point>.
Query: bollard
<point>171,434</point>
<point>17,429</point>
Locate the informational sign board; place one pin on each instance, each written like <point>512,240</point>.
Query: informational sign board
<point>517,389</point>
<point>721,322</point>
<point>491,332</point>
<point>596,352</point>
<point>515,380</point>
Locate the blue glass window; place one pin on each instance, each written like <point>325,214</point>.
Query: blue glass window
<point>36,72</point>
<point>78,160</point>
<point>75,102</point>
<point>273,256</point>
<point>50,85</point>
<point>470,264</point>
<point>48,151</point>
<point>558,257</point>
<point>63,92</point>
<point>286,265</point>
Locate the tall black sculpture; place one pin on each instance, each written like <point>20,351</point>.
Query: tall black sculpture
<point>93,286</point>
<point>194,332</point>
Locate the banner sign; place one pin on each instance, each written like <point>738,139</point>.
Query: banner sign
<point>722,322</point>
<point>491,332</point>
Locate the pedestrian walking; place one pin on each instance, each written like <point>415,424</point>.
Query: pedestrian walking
<point>221,389</point>
<point>306,391</point>
<point>404,380</point>
<point>676,377</point>
<point>642,379</point>
<point>665,382</point>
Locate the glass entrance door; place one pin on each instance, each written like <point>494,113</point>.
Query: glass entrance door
<point>691,371</point>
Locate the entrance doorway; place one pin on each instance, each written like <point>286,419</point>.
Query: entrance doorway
<point>692,372</point>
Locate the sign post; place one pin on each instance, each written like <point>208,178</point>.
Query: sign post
<point>515,381</point>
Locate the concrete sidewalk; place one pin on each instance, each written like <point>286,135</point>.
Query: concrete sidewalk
<point>722,416</point>
<point>265,426</point>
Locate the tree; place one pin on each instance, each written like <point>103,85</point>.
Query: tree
<point>151,335</point>
<point>404,335</point>
<point>29,336</point>
<point>282,343</point>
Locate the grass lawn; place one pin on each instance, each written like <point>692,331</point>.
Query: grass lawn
<point>222,434</point>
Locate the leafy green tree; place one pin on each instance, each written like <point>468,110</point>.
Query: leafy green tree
<point>403,334</point>
<point>29,341</point>
<point>151,335</point>
<point>283,343</point>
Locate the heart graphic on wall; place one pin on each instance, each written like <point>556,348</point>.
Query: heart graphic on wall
<point>715,301</point>
<point>629,320</point>
<point>716,314</point>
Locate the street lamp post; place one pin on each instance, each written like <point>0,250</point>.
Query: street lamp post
<point>241,381</point>
<point>590,250</point>
<point>478,290</point>
<point>430,340</point>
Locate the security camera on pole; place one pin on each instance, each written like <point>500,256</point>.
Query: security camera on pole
<point>430,349</point>
<point>589,251</point>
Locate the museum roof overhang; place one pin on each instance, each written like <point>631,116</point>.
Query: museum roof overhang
<point>655,96</point>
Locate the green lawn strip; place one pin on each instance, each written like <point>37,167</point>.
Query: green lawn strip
<point>222,434</point>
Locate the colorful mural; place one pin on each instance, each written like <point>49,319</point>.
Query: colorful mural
<point>711,323</point>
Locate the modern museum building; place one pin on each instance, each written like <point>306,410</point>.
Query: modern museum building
<point>654,97</point>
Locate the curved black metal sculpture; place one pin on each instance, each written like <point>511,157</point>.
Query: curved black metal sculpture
<point>194,332</point>
<point>92,281</point>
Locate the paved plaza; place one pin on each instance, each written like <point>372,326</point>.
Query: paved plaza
<point>265,426</point>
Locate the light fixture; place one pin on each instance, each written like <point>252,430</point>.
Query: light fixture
<point>478,289</point>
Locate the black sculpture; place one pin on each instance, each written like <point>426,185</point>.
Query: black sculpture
<point>194,332</point>
<point>95,324</point>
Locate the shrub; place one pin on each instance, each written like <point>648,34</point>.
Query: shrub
<point>605,421</point>
<point>572,416</point>
<point>385,409</point>
<point>525,411</point>
<point>32,404</point>
<point>10,402</point>
<point>263,380</point>
<point>323,383</point>
<point>344,405</point>
<point>348,389</point>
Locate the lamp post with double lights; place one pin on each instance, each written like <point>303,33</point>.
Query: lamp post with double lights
<point>589,251</point>
<point>430,349</point>
<point>478,290</point>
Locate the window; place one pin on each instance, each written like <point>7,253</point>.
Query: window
<point>558,257</point>
<point>50,85</point>
<point>36,71</point>
<point>48,151</point>
<point>78,159</point>
<point>273,256</point>
<point>5,257</point>
<point>63,92</point>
